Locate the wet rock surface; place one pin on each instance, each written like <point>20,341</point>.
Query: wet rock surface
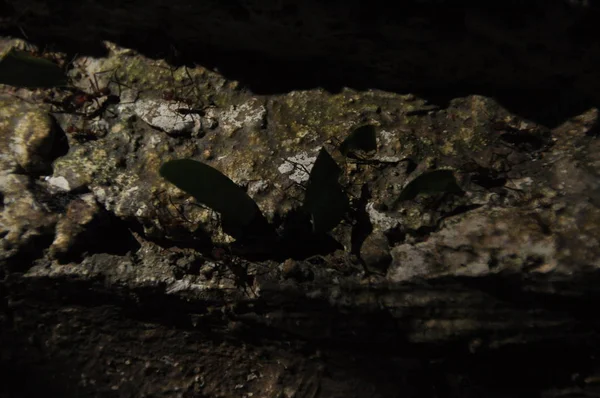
<point>116,283</point>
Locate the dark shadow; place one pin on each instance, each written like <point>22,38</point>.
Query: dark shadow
<point>539,60</point>
<point>33,249</point>
<point>371,344</point>
<point>105,234</point>
<point>113,236</point>
<point>198,239</point>
<point>298,241</point>
<point>60,144</point>
<point>519,292</point>
<point>363,227</point>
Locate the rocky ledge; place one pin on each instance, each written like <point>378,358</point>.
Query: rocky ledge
<point>466,262</point>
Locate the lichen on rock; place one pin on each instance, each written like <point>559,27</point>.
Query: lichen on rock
<point>494,219</point>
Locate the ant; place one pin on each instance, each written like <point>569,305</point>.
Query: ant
<point>303,175</point>
<point>180,211</point>
<point>195,111</point>
<point>359,157</point>
<point>81,134</point>
<point>170,95</point>
<point>184,97</point>
<point>221,256</point>
<point>78,99</point>
<point>239,269</point>
<point>84,132</point>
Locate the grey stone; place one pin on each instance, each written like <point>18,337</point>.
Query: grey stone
<point>375,252</point>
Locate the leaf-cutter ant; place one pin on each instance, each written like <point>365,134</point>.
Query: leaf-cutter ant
<point>242,278</point>
<point>80,134</point>
<point>360,158</point>
<point>170,95</point>
<point>195,111</point>
<point>180,210</point>
<point>77,101</point>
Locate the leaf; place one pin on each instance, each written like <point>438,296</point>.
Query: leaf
<point>325,199</point>
<point>430,182</point>
<point>361,139</point>
<point>19,68</point>
<point>215,190</point>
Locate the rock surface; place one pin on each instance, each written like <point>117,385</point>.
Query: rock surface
<point>116,283</point>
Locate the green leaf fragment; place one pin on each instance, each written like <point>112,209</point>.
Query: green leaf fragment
<point>213,189</point>
<point>19,68</point>
<point>325,199</point>
<point>360,139</point>
<point>431,183</point>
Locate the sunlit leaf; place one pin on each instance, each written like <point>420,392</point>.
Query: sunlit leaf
<point>215,190</point>
<point>325,199</point>
<point>360,139</point>
<point>19,68</point>
<point>430,183</point>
